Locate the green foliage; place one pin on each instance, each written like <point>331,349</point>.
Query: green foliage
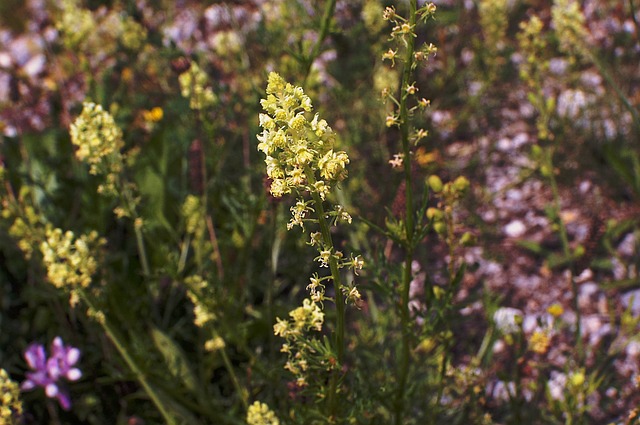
<point>141,223</point>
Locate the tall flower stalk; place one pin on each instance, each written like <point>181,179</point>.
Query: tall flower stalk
<point>404,36</point>
<point>301,159</point>
<point>99,141</point>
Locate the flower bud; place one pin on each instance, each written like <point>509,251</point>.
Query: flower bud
<point>461,184</point>
<point>467,239</point>
<point>434,214</point>
<point>440,227</point>
<point>435,183</point>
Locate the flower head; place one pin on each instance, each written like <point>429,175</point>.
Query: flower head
<point>99,141</point>
<point>299,152</point>
<point>47,372</point>
<point>508,320</point>
<point>193,86</point>
<point>10,404</point>
<point>69,259</point>
<point>260,414</point>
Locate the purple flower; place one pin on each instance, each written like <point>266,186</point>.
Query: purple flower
<point>47,372</point>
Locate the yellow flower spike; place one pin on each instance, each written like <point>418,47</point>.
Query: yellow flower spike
<point>295,145</point>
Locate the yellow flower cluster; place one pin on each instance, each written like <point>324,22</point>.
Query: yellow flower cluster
<point>99,141</point>
<point>197,293</point>
<point>69,260</point>
<point>533,46</point>
<point>25,227</point>
<point>11,405</point>
<point>155,114</point>
<point>193,215</point>
<point>193,86</point>
<point>96,135</point>
<point>539,342</point>
<point>214,344</point>
<point>494,21</point>
<point>133,34</point>
<point>306,317</point>
<point>297,148</point>
<point>84,31</point>
<point>260,414</point>
<point>570,27</point>
<point>75,23</point>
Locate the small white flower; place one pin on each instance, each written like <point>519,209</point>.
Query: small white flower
<point>508,319</point>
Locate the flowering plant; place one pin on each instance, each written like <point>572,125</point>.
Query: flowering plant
<point>47,372</point>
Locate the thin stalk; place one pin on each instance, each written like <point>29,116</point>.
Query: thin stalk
<point>234,379</point>
<point>140,375</point>
<point>275,253</point>
<point>339,301</point>
<point>633,16</point>
<point>146,271</point>
<point>567,253</point>
<point>612,83</point>
<point>130,206</point>
<point>216,248</point>
<point>329,9</point>
<point>409,223</point>
<point>442,375</point>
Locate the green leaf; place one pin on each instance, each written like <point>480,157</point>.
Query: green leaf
<point>175,359</point>
<point>152,187</point>
<point>532,246</point>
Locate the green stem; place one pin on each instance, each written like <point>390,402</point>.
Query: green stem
<point>129,204</point>
<point>612,83</point>
<point>339,300</point>
<point>137,371</point>
<point>142,251</point>
<point>234,379</point>
<point>564,239</point>
<point>409,222</point>
<point>329,9</point>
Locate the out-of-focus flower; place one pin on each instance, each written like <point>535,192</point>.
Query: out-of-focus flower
<point>555,310</point>
<point>569,23</point>
<point>47,372</point>
<point>193,86</point>
<point>539,342</point>
<point>153,115</point>
<point>556,385</point>
<point>508,320</point>
<point>260,414</point>
<point>10,404</point>
<point>69,260</point>
<point>99,140</point>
